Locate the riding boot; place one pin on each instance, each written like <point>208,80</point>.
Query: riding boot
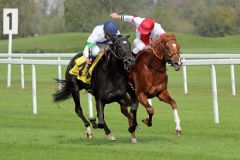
<point>87,71</point>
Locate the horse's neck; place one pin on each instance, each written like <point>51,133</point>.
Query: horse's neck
<point>113,65</point>
<point>116,65</point>
<point>156,63</point>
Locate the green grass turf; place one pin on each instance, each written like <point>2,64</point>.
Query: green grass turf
<point>57,133</point>
<point>74,42</point>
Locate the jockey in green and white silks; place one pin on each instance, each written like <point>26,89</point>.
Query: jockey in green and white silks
<point>101,34</point>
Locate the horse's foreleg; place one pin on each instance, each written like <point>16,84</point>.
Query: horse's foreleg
<point>125,112</point>
<point>134,107</point>
<point>108,133</point>
<point>144,101</point>
<point>165,97</point>
<point>132,124</point>
<point>100,113</point>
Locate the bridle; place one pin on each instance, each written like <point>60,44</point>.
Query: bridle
<point>160,58</point>
<point>115,53</point>
<point>164,44</point>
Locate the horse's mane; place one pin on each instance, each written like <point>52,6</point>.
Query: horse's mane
<point>167,37</point>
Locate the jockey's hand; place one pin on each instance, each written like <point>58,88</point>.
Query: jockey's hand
<point>89,61</point>
<point>115,15</point>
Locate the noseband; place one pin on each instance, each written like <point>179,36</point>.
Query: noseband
<point>164,43</point>
<point>160,58</point>
<point>115,53</point>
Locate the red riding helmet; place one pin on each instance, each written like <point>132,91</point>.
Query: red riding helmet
<point>146,26</point>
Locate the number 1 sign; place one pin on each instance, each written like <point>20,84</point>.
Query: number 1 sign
<point>10,27</point>
<point>10,21</point>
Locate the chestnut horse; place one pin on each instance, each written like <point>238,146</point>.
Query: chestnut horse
<point>149,76</point>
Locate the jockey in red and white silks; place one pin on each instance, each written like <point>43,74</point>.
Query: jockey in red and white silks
<point>146,28</point>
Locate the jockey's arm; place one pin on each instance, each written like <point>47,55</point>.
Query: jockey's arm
<point>134,20</point>
<point>96,35</point>
<point>158,31</point>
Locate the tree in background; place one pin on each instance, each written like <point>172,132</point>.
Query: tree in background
<point>214,19</point>
<point>205,17</point>
<point>26,13</point>
<point>171,15</point>
<point>50,16</point>
<point>85,14</point>
<point>36,16</point>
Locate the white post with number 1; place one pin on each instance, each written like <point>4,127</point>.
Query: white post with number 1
<point>10,27</point>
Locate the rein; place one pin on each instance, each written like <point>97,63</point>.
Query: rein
<point>159,58</point>
<point>151,64</point>
<point>113,51</point>
<point>115,47</point>
<point>155,54</point>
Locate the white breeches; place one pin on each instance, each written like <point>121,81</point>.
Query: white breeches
<point>95,51</point>
<point>139,45</point>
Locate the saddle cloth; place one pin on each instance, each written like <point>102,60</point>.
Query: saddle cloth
<point>80,68</point>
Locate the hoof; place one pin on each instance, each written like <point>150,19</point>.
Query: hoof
<point>101,125</point>
<point>134,140</point>
<point>89,135</point>
<point>146,121</point>
<point>178,133</point>
<point>111,137</point>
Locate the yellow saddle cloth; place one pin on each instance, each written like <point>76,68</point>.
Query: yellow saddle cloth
<point>79,64</point>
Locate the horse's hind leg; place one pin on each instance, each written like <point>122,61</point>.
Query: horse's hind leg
<point>78,108</point>
<point>165,97</point>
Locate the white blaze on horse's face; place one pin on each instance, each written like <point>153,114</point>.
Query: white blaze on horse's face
<point>124,42</point>
<point>174,45</point>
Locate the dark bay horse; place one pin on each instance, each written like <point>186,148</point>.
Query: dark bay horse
<point>150,78</point>
<point>109,83</point>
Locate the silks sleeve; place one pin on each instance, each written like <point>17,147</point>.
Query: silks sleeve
<point>90,44</point>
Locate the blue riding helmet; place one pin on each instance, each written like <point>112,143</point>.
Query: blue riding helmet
<point>110,28</point>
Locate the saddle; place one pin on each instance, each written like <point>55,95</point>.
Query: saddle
<point>80,68</point>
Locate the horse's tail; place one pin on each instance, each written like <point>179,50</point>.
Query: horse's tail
<point>63,93</point>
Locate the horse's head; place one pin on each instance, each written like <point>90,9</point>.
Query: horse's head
<point>171,50</point>
<point>122,50</point>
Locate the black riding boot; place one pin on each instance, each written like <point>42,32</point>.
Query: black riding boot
<point>87,71</point>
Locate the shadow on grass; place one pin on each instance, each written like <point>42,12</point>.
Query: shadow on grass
<point>121,140</point>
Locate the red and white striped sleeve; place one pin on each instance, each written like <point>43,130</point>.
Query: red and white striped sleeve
<point>132,19</point>
<point>158,31</point>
